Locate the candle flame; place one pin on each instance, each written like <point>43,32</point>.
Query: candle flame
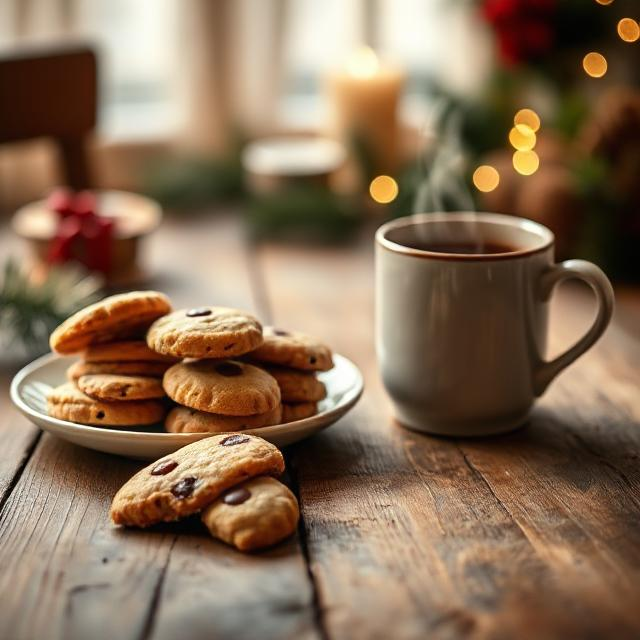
<point>363,63</point>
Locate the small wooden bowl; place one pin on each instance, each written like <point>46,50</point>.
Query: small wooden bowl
<point>135,217</point>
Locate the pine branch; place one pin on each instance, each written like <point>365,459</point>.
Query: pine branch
<point>32,305</point>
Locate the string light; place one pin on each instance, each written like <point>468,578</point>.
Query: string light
<point>528,118</point>
<point>522,137</point>
<point>595,64</point>
<point>526,162</point>
<point>486,178</point>
<point>628,30</point>
<point>383,189</point>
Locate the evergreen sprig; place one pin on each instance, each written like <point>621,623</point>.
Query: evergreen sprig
<point>32,304</point>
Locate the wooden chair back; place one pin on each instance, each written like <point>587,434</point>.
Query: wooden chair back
<point>51,92</point>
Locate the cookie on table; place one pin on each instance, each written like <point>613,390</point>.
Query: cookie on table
<point>293,349</point>
<point>112,387</point>
<point>298,411</point>
<point>191,478</point>
<point>124,351</point>
<point>205,332</point>
<point>297,386</point>
<point>124,314</point>
<point>185,420</point>
<point>67,402</point>
<point>228,387</point>
<point>255,514</point>
<point>148,369</point>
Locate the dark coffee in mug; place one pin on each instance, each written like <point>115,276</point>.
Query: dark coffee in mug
<point>465,248</point>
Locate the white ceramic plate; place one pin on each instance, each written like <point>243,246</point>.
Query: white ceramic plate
<point>30,386</point>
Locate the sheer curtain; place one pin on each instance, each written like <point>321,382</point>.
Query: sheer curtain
<point>182,74</point>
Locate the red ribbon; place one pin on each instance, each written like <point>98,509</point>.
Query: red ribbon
<point>82,234</point>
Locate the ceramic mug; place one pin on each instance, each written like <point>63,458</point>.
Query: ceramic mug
<point>461,336</point>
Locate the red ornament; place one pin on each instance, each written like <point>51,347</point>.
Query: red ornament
<point>525,29</point>
<point>82,234</point>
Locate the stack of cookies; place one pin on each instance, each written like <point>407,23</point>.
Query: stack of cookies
<point>227,479</point>
<point>236,376</point>
<point>118,381</point>
<point>222,371</point>
<point>294,359</point>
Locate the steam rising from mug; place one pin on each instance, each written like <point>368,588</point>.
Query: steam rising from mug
<point>442,185</point>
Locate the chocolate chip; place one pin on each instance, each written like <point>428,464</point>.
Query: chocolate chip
<point>100,415</point>
<point>236,496</point>
<point>163,467</point>
<point>280,332</point>
<point>184,488</point>
<point>228,369</point>
<point>229,441</point>
<point>200,311</point>
<point>312,360</point>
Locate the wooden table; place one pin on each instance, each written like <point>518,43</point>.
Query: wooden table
<point>530,535</point>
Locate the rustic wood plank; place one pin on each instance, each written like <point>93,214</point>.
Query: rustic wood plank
<point>68,573</point>
<point>527,535</point>
<point>17,436</point>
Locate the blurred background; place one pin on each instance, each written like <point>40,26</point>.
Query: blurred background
<point>310,121</point>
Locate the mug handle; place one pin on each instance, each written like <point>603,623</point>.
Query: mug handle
<point>599,283</point>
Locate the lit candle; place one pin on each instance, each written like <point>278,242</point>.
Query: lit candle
<point>364,102</point>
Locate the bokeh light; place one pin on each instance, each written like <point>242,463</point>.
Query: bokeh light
<point>605,2</point>
<point>522,137</point>
<point>595,64</point>
<point>628,30</point>
<point>528,118</point>
<point>526,162</point>
<point>486,178</point>
<point>383,189</point>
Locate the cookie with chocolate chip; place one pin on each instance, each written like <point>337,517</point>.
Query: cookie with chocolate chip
<point>67,402</point>
<point>191,478</point>
<point>292,411</point>
<point>121,315</point>
<point>293,349</point>
<point>185,420</point>
<point>111,387</point>
<point>255,514</point>
<point>205,332</point>
<point>227,387</point>
<point>297,386</point>
<point>147,369</point>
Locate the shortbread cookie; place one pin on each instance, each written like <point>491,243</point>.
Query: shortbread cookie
<point>148,369</point>
<point>298,411</point>
<point>67,402</point>
<point>121,315</point>
<point>127,388</point>
<point>186,481</point>
<point>293,349</point>
<point>297,386</point>
<point>185,420</point>
<point>124,351</point>
<point>228,387</point>
<point>255,514</point>
<point>205,332</point>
